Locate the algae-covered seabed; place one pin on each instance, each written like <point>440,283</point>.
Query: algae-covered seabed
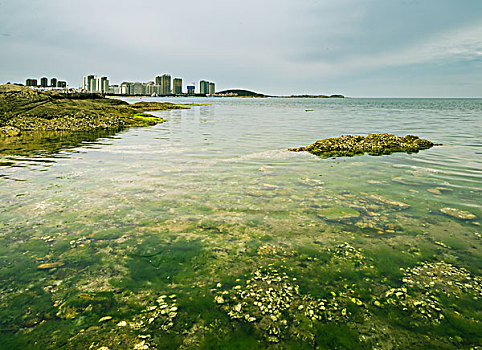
<point>202,232</point>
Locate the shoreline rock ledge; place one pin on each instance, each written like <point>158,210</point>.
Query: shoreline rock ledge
<point>25,110</point>
<point>373,144</point>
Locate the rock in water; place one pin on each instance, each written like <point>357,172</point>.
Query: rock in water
<point>105,318</point>
<point>373,144</point>
<point>48,266</point>
<point>338,213</point>
<point>458,214</point>
<point>390,201</point>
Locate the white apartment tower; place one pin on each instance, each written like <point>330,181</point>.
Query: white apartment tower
<point>101,85</point>
<point>88,83</point>
<point>91,83</point>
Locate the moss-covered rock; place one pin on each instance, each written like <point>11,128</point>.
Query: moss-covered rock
<point>458,214</point>
<point>373,144</point>
<point>148,119</point>
<point>7,131</point>
<point>25,109</point>
<point>338,213</point>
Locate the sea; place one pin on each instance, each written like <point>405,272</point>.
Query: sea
<point>205,232</point>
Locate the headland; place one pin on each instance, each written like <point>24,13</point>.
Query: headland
<point>23,109</point>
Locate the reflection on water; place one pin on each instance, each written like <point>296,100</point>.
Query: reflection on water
<point>46,143</point>
<point>203,232</point>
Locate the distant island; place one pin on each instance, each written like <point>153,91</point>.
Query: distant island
<point>239,93</point>
<point>247,93</point>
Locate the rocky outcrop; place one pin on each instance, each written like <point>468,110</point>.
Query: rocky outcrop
<point>373,144</point>
<point>25,109</point>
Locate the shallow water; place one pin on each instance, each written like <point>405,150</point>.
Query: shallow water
<point>210,205</point>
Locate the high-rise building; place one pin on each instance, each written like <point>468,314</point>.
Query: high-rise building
<point>53,82</point>
<point>114,89</point>
<point>98,84</point>
<point>177,86</point>
<point>31,82</point>
<point>191,89</point>
<point>138,88</point>
<point>125,88</point>
<point>204,87</point>
<point>91,83</point>
<point>212,89</point>
<point>88,83</point>
<point>152,89</point>
<point>61,84</point>
<point>165,83</point>
<point>105,84</point>
<point>101,85</point>
<point>44,82</point>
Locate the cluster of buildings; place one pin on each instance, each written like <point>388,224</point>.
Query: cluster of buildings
<point>162,85</point>
<point>91,83</point>
<point>206,88</point>
<point>44,83</point>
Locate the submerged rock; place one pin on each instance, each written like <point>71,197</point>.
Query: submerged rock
<point>271,301</point>
<point>458,214</point>
<point>439,190</point>
<point>424,284</point>
<point>394,203</point>
<point>373,144</point>
<point>338,213</point>
<point>48,266</point>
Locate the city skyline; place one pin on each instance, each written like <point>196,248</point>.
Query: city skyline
<point>399,48</point>
<point>162,85</point>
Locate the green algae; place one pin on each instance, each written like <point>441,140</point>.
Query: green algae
<point>147,119</point>
<point>373,144</point>
<point>121,257</point>
<point>338,213</point>
<point>24,111</point>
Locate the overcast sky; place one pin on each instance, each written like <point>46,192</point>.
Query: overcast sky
<point>354,47</point>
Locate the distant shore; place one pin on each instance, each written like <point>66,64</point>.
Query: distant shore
<point>236,93</point>
<point>184,97</point>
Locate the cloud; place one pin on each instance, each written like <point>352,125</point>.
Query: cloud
<point>456,45</point>
<point>269,45</point>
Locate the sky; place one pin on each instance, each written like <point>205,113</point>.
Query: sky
<point>358,48</point>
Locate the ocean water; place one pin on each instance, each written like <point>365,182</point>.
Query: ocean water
<point>205,232</point>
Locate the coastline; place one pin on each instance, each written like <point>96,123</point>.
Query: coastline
<point>24,110</point>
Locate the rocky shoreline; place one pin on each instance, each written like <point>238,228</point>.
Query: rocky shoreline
<point>373,144</point>
<point>24,110</point>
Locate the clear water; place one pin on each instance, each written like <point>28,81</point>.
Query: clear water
<point>202,204</point>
